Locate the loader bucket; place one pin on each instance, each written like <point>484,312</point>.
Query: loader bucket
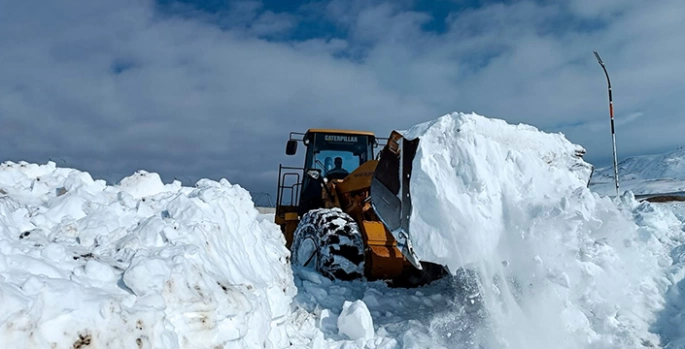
<point>390,195</point>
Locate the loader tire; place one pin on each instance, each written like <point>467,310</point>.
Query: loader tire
<point>329,241</point>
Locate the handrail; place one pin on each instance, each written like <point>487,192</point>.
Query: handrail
<point>294,193</point>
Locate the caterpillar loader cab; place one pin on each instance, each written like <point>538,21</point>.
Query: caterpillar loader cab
<point>345,212</point>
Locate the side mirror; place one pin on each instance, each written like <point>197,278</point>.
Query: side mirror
<point>291,147</point>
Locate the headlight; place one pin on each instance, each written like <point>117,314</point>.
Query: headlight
<point>314,174</point>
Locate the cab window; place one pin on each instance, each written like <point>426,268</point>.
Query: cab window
<point>326,158</point>
<point>354,150</point>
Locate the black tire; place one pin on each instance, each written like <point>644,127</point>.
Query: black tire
<point>328,240</point>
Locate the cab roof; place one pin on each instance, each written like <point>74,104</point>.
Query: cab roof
<point>347,132</point>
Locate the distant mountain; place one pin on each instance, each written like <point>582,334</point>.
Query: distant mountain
<point>644,174</point>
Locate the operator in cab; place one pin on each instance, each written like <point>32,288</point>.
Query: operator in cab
<point>337,172</point>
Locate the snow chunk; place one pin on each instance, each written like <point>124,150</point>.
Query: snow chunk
<point>142,184</point>
<point>146,276</point>
<point>355,321</point>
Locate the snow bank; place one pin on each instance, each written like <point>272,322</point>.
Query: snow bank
<point>140,264</point>
<point>669,324</point>
<point>560,266</point>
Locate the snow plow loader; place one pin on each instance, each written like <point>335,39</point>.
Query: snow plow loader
<point>345,213</point>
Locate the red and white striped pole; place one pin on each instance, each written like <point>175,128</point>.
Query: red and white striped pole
<point>611,113</point>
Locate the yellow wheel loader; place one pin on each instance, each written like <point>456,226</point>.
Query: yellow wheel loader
<point>345,213</point>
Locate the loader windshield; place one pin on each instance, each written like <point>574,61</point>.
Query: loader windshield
<point>353,150</point>
<point>348,161</point>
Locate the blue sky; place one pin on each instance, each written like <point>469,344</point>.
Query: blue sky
<point>211,89</point>
<point>309,23</point>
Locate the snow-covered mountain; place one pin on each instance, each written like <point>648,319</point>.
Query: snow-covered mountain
<point>143,264</point>
<point>644,174</point>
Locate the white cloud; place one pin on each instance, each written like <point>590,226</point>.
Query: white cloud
<point>601,9</point>
<point>210,97</point>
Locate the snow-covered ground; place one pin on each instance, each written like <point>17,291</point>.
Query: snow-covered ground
<point>644,174</point>
<point>142,264</point>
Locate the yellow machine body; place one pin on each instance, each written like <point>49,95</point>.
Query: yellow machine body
<point>352,194</point>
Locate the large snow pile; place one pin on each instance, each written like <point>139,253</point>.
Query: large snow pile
<point>471,172</point>
<point>137,265</point>
<point>644,174</point>
<point>560,266</point>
